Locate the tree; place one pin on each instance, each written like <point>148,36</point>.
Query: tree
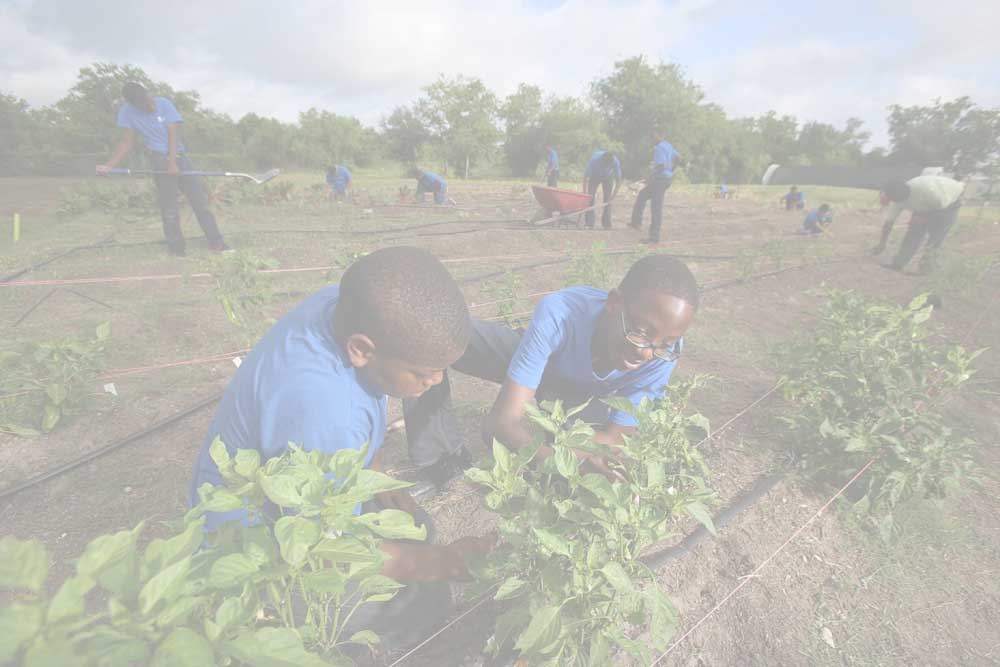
<point>461,116</point>
<point>779,135</point>
<point>956,135</point>
<point>405,135</point>
<point>324,137</point>
<point>521,113</point>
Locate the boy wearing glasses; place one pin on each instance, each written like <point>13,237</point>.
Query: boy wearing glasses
<point>583,343</point>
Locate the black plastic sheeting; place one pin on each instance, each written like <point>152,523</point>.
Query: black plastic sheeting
<point>845,176</point>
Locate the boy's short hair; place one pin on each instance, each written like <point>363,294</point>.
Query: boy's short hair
<point>896,190</point>
<point>664,274</point>
<point>607,159</point>
<point>824,207</point>
<point>404,299</point>
<point>134,92</point>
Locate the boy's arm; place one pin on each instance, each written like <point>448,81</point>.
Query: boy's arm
<point>125,145</point>
<point>414,562</point>
<point>890,220</point>
<point>172,149</point>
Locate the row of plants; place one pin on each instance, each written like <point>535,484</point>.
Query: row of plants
<point>276,590</point>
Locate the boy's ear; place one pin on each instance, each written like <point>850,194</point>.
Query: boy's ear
<point>615,301</point>
<point>360,349</point>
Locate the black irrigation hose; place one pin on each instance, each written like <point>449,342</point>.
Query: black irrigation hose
<point>107,449</point>
<point>744,501</point>
<point>46,262</point>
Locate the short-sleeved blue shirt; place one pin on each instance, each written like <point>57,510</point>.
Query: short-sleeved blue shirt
<point>431,182</point>
<point>151,125</point>
<point>559,341</point>
<point>339,178</point>
<point>597,172</point>
<point>664,159</point>
<point>814,220</point>
<point>296,386</point>
<point>553,163</point>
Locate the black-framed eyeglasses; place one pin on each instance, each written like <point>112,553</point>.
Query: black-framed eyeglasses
<point>640,341</point>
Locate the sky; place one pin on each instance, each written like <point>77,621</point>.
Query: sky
<point>824,61</point>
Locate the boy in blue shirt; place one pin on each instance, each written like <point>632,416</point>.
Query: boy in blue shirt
<point>794,198</point>
<point>157,121</point>
<point>604,170</point>
<point>583,343</point>
<point>339,179</point>
<point>320,378</point>
<point>817,220</point>
<point>428,181</point>
<point>665,160</point>
<point>552,168</point>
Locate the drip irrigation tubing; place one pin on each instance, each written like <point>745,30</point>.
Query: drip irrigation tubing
<point>17,274</point>
<point>107,449</point>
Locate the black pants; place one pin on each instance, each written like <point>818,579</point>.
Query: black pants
<point>654,192</point>
<point>552,180</point>
<point>934,225</point>
<point>607,185</point>
<point>431,426</point>
<point>167,187</point>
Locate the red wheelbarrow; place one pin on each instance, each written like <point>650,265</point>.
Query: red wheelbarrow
<point>556,201</point>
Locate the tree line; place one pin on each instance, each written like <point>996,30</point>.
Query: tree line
<point>458,124</point>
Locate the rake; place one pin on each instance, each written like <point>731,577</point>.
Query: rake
<point>256,178</point>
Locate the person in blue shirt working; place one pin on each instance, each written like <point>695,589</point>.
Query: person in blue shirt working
<point>339,179</point>
<point>552,167</point>
<point>817,220</point>
<point>794,198</point>
<point>320,378</point>
<point>157,121</point>
<point>428,181</point>
<point>604,170</point>
<point>583,343</point>
<point>665,160</point>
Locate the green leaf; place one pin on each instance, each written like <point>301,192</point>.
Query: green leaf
<point>24,564</point>
<point>164,586</point>
<point>371,482</point>
<point>246,462</point>
<point>183,648</point>
<point>502,457</point>
<point>542,630</point>
<point>162,553</point>
<point>393,525</point>
<point>345,550</point>
<point>327,581</point>
<point>552,542</point>
<point>57,393</point>
<point>68,602</point>
<point>220,455</point>
<point>21,431</point>
<point>856,445</point>
<point>620,403</point>
<point>272,647</point>
<point>103,331</point>
<point>282,490</point>
<point>107,550</point>
<point>232,570</point>
<point>230,613</point>
<point>366,637</point>
<point>618,578</point>
<point>600,651</point>
<point>50,417</point>
<point>179,611</point>
<point>20,622</point>
<point>700,513</point>
<point>510,588</point>
<point>296,535</point>
<point>566,462</point>
<point>665,618</point>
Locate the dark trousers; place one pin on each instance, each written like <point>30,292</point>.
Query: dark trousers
<point>654,192</point>
<point>431,426</point>
<point>607,186</point>
<point>934,225</point>
<point>167,187</point>
<point>552,180</point>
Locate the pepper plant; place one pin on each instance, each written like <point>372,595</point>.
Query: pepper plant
<point>866,382</point>
<point>278,589</point>
<point>244,292</point>
<point>509,304</point>
<point>41,382</point>
<point>593,268</point>
<point>570,563</point>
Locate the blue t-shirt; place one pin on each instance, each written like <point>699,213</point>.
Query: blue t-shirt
<point>553,164</point>
<point>664,159</point>
<point>814,220</point>
<point>295,386</point>
<point>151,125</point>
<point>431,182</point>
<point>558,341</point>
<point>597,172</point>
<point>795,197</point>
<point>339,178</point>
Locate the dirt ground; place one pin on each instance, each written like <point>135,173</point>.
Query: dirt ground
<point>833,596</point>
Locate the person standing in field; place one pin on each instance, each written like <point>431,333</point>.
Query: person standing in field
<point>552,167</point>
<point>604,170</point>
<point>157,121</point>
<point>665,160</point>
<point>339,179</point>
<point>428,181</point>
<point>935,202</point>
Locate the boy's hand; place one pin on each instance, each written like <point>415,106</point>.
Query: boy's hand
<point>399,499</point>
<point>172,167</point>
<point>452,562</point>
<point>601,465</point>
<point>103,169</point>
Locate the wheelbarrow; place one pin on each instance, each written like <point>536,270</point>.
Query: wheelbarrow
<point>556,202</point>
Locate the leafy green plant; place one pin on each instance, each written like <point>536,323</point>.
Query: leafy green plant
<point>746,263</point>
<point>570,563</point>
<point>279,592</point>
<point>243,291</point>
<point>593,268</point>
<point>138,197</point>
<point>864,382</point>
<point>43,382</point>
<point>509,304</point>
<point>776,251</point>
